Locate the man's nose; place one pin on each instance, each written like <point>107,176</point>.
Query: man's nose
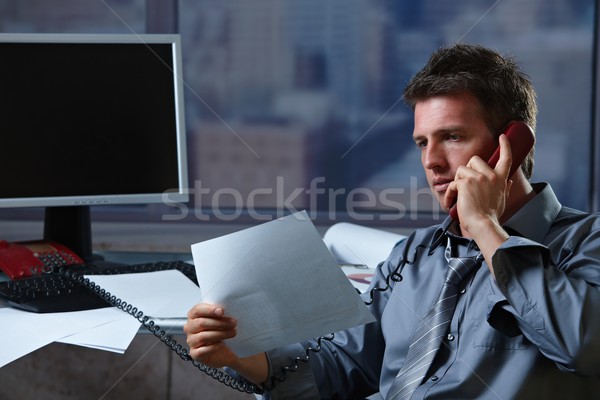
<point>433,156</point>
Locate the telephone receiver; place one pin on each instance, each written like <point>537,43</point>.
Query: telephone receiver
<point>26,259</point>
<point>521,138</point>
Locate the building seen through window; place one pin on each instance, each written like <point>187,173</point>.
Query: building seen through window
<point>297,105</point>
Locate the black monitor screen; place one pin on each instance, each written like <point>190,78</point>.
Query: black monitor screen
<point>88,121</point>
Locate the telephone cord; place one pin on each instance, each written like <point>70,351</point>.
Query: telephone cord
<point>161,334</point>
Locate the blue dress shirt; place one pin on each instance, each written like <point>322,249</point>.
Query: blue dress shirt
<point>530,332</point>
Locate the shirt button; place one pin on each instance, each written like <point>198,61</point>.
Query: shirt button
<point>463,290</point>
<point>434,378</point>
<point>450,337</point>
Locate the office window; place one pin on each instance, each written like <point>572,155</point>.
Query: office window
<point>72,16</point>
<point>296,105</point>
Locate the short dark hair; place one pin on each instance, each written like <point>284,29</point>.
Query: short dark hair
<point>503,89</point>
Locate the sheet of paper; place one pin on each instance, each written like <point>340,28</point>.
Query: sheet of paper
<point>280,282</point>
<point>24,332</point>
<point>160,294</point>
<point>114,336</point>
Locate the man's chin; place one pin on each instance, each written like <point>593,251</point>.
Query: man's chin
<point>439,196</point>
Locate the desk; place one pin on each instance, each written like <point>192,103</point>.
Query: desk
<point>147,370</point>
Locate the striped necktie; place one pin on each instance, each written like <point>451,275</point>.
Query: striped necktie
<point>434,325</point>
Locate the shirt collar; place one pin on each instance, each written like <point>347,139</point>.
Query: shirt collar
<point>534,219</point>
<point>440,234</point>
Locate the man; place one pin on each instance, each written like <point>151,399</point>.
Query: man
<point>526,320</point>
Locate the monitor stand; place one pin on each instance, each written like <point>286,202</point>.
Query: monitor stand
<point>71,227</point>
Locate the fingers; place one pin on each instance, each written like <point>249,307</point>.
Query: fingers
<point>209,318</point>
<point>502,169</point>
<point>205,310</point>
<point>209,348</point>
<point>450,195</point>
<point>208,338</point>
<point>505,161</point>
<point>208,355</point>
<point>206,329</point>
<point>479,189</point>
<point>472,174</point>
<point>202,324</point>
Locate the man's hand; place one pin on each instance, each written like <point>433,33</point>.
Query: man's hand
<point>481,192</point>
<point>206,328</point>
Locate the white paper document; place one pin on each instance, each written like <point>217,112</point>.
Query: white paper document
<point>356,244</point>
<point>280,282</point>
<point>160,294</point>
<point>114,336</point>
<point>359,249</point>
<point>24,332</point>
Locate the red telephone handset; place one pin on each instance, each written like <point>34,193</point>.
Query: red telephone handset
<point>521,139</point>
<point>25,259</point>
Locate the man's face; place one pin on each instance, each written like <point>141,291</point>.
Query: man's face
<point>449,130</point>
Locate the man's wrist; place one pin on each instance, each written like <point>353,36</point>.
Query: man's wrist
<point>254,368</point>
<point>489,235</point>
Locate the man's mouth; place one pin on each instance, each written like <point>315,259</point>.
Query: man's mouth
<point>440,185</point>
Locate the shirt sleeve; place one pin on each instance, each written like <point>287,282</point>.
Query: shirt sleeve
<point>296,384</point>
<point>554,297</point>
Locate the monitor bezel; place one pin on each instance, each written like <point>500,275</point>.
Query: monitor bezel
<point>179,194</point>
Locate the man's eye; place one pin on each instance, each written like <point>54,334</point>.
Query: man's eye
<point>453,138</point>
<point>421,144</point>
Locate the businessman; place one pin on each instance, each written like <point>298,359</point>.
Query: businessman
<point>502,302</point>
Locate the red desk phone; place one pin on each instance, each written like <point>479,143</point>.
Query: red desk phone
<point>25,259</point>
<point>521,139</point>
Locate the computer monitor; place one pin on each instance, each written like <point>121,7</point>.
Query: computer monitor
<point>90,120</point>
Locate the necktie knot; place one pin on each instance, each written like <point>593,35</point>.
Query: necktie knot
<point>459,268</point>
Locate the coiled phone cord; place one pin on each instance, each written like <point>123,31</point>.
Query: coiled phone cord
<point>161,334</point>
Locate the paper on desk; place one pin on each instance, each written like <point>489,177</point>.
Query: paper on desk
<point>24,332</point>
<point>359,249</point>
<point>280,282</point>
<point>160,294</point>
<point>114,336</point>
<point>356,244</point>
